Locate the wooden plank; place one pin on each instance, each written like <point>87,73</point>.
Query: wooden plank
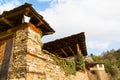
<point>6,60</point>
<point>10,32</point>
<point>64,52</point>
<point>72,51</point>
<point>6,35</point>
<point>16,13</point>
<point>78,47</point>
<point>8,22</point>
<point>39,23</point>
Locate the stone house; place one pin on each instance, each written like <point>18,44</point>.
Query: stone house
<point>97,70</point>
<point>96,66</point>
<point>23,56</point>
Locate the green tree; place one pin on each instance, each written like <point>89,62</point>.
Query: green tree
<point>80,61</point>
<point>111,60</point>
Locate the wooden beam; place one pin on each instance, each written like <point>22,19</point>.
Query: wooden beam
<point>64,52</point>
<point>78,47</point>
<point>27,10</point>
<point>35,14</point>
<point>57,54</point>
<point>9,32</point>
<point>8,22</point>
<point>39,23</point>
<point>72,51</point>
<point>15,13</point>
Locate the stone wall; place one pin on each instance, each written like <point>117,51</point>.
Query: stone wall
<point>18,60</point>
<point>98,75</point>
<point>30,62</point>
<point>42,67</point>
<point>101,74</point>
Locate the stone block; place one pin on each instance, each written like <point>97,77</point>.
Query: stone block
<point>21,78</point>
<point>13,79</point>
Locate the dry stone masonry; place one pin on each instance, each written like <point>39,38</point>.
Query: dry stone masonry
<point>30,62</point>
<point>23,56</point>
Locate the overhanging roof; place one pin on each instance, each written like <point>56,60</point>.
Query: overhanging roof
<point>93,64</point>
<point>66,47</point>
<point>14,17</point>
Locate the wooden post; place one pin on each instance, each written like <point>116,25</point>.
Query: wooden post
<point>78,48</point>
<point>6,60</point>
<point>64,52</point>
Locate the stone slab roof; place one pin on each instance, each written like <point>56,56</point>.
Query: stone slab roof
<point>67,46</point>
<point>13,18</point>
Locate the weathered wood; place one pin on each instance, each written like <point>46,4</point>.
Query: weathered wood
<point>6,60</point>
<point>8,22</point>
<point>15,13</point>
<point>7,34</point>
<point>39,23</point>
<point>64,52</point>
<point>34,14</point>
<point>72,51</point>
<point>78,48</point>
<point>65,43</point>
<point>10,32</point>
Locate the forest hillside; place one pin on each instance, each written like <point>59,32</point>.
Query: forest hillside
<point>111,60</point>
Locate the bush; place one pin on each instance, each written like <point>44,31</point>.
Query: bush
<point>67,65</point>
<point>70,66</point>
<point>111,69</point>
<point>80,65</point>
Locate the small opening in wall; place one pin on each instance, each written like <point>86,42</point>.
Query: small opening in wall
<point>93,72</point>
<point>100,65</point>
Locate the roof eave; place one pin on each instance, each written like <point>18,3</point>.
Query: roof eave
<point>28,8</point>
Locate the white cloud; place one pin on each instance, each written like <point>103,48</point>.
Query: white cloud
<point>8,5</point>
<point>44,0</point>
<point>98,45</point>
<point>99,19</point>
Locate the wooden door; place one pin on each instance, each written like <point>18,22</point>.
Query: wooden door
<point>5,56</point>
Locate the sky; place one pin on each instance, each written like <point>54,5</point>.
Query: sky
<point>99,19</point>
